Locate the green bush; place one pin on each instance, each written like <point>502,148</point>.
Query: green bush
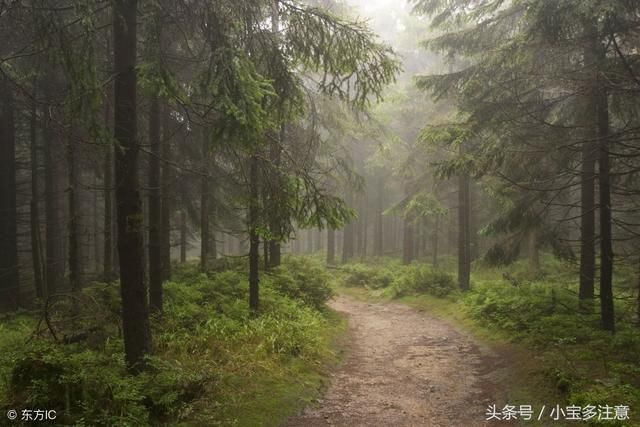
<point>422,279</point>
<point>369,276</point>
<point>208,350</point>
<point>302,279</point>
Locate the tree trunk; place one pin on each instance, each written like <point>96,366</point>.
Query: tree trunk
<point>55,256</point>
<point>107,269</point>
<point>436,232</point>
<point>533,252</point>
<point>36,241</point>
<point>166,197</point>
<point>275,152</point>
<point>347,233</point>
<point>378,241</point>
<point>606,247</point>
<point>135,312</point>
<point>183,236</point>
<point>204,205</point>
<point>73,226</point>
<point>407,241</point>
<point>331,246</point>
<point>464,249</point>
<point>310,241</point>
<point>587,188</point>
<point>254,240</point>
<point>155,259</point>
<point>9,278</point>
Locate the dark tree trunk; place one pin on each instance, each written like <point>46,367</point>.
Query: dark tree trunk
<point>107,269</point>
<point>9,279</point>
<point>347,233</point>
<point>204,204</point>
<point>464,249</point>
<point>73,225</point>
<point>254,240</point>
<point>407,241</point>
<point>275,253</point>
<point>347,242</point>
<point>379,229</point>
<point>331,246</point>
<point>183,236</point>
<point>108,232</point>
<point>165,216</point>
<point>533,252</point>
<point>309,241</point>
<point>55,254</point>
<point>135,311</point>
<point>587,188</point>
<point>155,259</point>
<point>436,232</point>
<point>36,241</point>
<point>265,254</point>
<point>606,247</point>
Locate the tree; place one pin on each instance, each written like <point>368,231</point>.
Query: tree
<point>135,312</point>
<point>8,213</point>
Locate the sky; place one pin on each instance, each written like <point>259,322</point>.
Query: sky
<point>384,15</point>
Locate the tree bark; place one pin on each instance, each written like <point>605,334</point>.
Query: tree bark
<point>155,259</point>
<point>464,249</point>
<point>347,234</point>
<point>135,311</point>
<point>533,252</point>
<point>73,223</point>
<point>166,197</point>
<point>436,233</point>
<point>55,254</point>
<point>36,241</point>
<point>310,240</point>
<point>331,246</point>
<point>9,277</point>
<point>183,236</point>
<point>378,242</point>
<point>587,188</point>
<point>107,259</point>
<point>407,241</point>
<point>204,204</point>
<point>254,240</point>
<point>606,247</point>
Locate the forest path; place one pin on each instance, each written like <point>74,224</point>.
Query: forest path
<point>404,367</point>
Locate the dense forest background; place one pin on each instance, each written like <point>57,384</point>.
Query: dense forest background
<point>164,165</point>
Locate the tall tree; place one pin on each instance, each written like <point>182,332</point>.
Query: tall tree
<point>135,311</point>
<point>8,210</point>
<point>155,212</point>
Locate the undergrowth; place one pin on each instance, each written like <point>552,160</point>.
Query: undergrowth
<point>213,363</point>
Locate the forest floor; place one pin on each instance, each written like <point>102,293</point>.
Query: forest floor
<point>405,367</point>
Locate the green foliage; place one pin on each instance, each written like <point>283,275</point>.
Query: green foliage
<point>303,279</point>
<point>368,276</point>
<point>210,352</point>
<point>398,281</point>
<point>423,279</point>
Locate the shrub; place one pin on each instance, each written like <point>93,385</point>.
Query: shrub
<point>369,276</point>
<point>208,348</point>
<point>302,279</point>
<point>422,279</point>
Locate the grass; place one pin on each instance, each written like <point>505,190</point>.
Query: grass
<point>214,362</point>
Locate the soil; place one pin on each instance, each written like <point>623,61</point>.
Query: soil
<point>403,367</point>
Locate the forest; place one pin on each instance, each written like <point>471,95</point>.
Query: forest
<point>319,212</point>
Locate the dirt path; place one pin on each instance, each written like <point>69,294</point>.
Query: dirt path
<point>404,368</point>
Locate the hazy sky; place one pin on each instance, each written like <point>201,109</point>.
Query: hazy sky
<point>383,15</point>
